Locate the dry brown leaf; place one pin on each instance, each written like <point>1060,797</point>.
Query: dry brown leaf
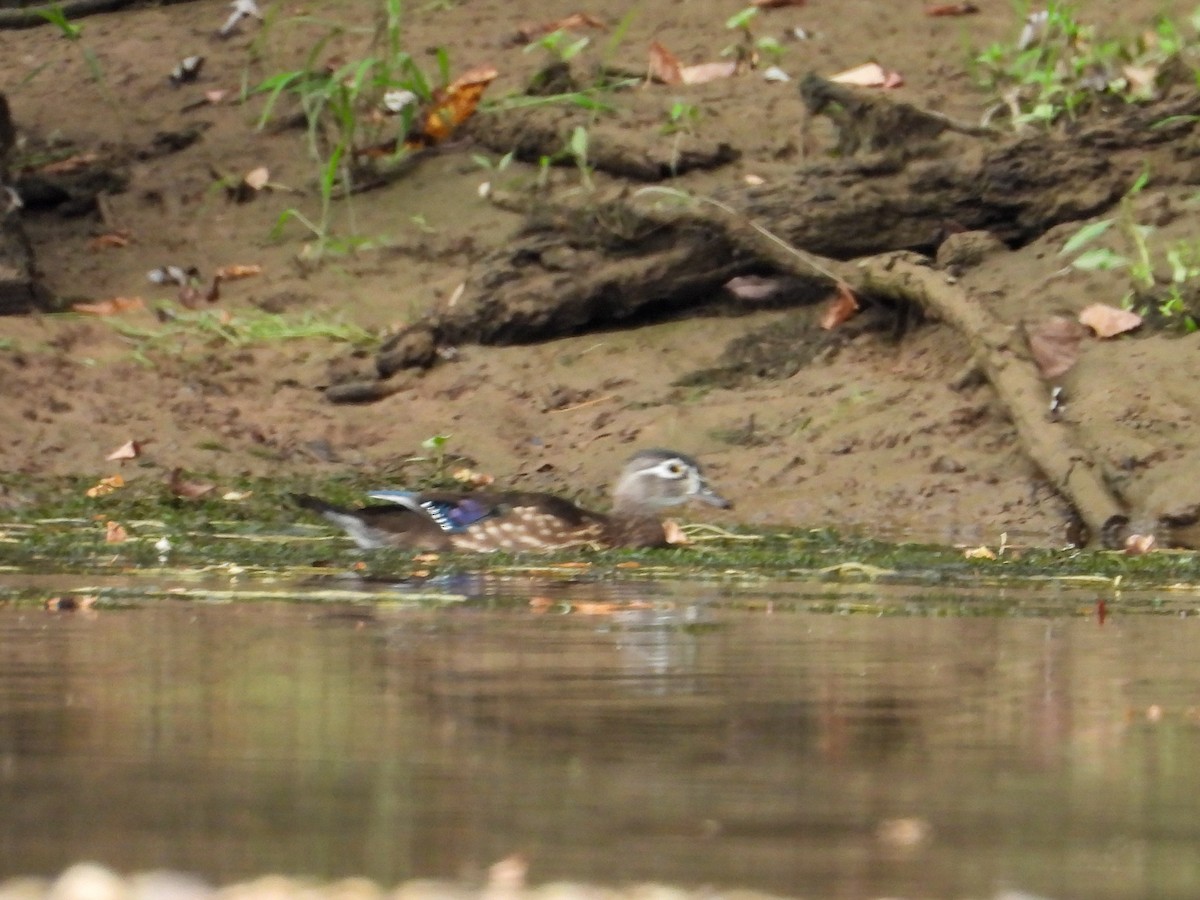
<point>115,533</point>
<point>508,875</point>
<point>426,557</point>
<point>70,164</point>
<point>842,307</point>
<point>595,607</point>
<point>663,65</point>
<point>673,533</point>
<point>531,31</point>
<point>71,604</point>
<point>951,9</point>
<point>1054,344</point>
<point>1139,544</point>
<point>869,75</point>
<point>256,179</point>
<point>979,553</point>
<point>188,490</point>
<point>1109,321</point>
<point>128,450</point>
<point>541,604</point>
<point>235,271</point>
<point>454,105</point>
<point>706,72</point>
<point>111,241</point>
<point>106,486</point>
<point>109,307</point>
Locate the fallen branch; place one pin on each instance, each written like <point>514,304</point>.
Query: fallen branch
<point>998,351</point>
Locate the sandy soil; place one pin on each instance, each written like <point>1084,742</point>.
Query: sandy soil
<point>868,435</point>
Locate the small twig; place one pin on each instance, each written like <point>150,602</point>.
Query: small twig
<point>703,531</point>
<point>585,403</point>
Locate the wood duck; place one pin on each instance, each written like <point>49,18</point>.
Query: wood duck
<point>651,481</point>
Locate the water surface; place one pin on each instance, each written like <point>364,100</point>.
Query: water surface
<point>801,739</point>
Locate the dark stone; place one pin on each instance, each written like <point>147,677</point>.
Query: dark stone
<point>413,348</point>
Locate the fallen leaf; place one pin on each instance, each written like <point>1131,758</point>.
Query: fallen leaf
<point>426,557</point>
<point>256,179</point>
<point>541,604</point>
<point>453,105</point>
<point>71,604</point>
<point>237,496</point>
<point>530,32</point>
<point>114,240</point>
<point>903,833</point>
<point>951,9</point>
<point>753,180</point>
<point>595,607</point>
<point>869,75</point>
<point>115,533</point>
<point>1138,544</point>
<point>70,164</point>
<point>128,450</point>
<point>979,553</point>
<point>1054,344</point>
<point>842,307</point>
<point>470,476</point>
<point>214,97</point>
<point>663,66</point>
<point>109,307</point>
<point>754,287</point>
<point>106,486</point>
<point>706,72</point>
<point>188,490</point>
<point>235,271</point>
<point>1109,321</point>
<point>673,533</point>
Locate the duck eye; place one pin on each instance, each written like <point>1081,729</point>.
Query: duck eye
<point>675,469</point>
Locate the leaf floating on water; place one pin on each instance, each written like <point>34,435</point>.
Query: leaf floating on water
<point>842,307</point>
<point>106,486</point>
<point>70,603</point>
<point>1054,344</point>
<point>188,490</point>
<point>115,533</point>
<point>1109,321</point>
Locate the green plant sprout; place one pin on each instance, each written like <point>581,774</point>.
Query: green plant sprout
<point>1170,304</point>
<point>342,111</point>
<point>74,33</point>
<point>560,45</point>
<point>1060,67</point>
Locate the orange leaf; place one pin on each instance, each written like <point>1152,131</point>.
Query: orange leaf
<point>106,486</point>
<point>1109,321</point>
<point>455,104</point>
<point>115,533</point>
<point>530,32</point>
<point>70,164</point>
<point>110,241</point>
<point>109,307</point>
<point>235,271</point>
<point>951,9</point>
<point>663,65</point>
<point>842,307</point>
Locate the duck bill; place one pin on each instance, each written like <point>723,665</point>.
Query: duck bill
<point>712,498</point>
